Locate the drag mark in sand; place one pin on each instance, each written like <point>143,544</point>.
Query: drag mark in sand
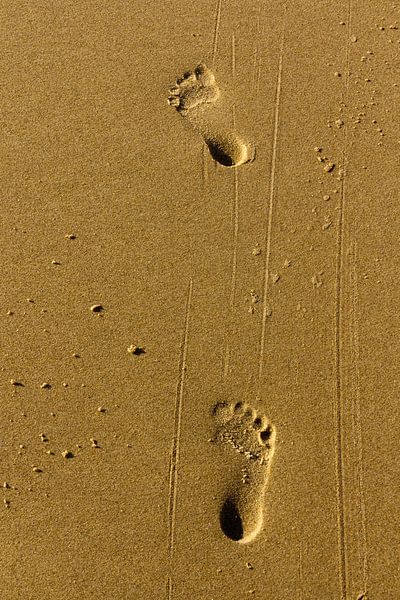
<point>255,81</point>
<point>357,415</point>
<point>338,394</point>
<point>338,399</point>
<point>301,584</point>
<point>271,200</point>
<point>235,204</point>
<point>234,211</point>
<point>258,74</point>
<point>168,588</point>
<point>233,54</point>
<point>216,31</point>
<point>225,362</point>
<point>205,169</point>
<point>235,219</point>
<point>174,459</point>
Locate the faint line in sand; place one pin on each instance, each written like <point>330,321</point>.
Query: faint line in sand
<point>235,206</point>
<point>338,399</point>
<point>233,50</point>
<point>174,460</point>
<point>358,426</point>
<point>259,17</point>
<point>258,74</point>
<point>205,167</point>
<point>168,588</point>
<point>271,199</point>
<point>253,77</point>
<point>301,584</point>
<point>338,396</point>
<point>235,220</point>
<point>225,365</point>
<point>257,48</point>
<point>216,31</point>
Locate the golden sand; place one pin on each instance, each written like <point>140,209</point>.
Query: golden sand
<point>199,300</point>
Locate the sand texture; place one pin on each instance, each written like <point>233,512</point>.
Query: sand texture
<point>199,300</point>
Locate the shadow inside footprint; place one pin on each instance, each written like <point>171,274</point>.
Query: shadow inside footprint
<point>230,520</point>
<point>228,149</point>
<point>220,154</point>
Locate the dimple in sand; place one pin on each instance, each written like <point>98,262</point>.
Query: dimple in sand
<point>194,96</point>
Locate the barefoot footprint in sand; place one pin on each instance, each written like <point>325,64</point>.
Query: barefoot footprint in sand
<point>250,441</point>
<point>194,97</point>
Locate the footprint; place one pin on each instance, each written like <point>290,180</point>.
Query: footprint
<point>194,96</point>
<point>250,441</point>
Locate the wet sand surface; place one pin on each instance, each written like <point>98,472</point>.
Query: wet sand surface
<point>199,361</point>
